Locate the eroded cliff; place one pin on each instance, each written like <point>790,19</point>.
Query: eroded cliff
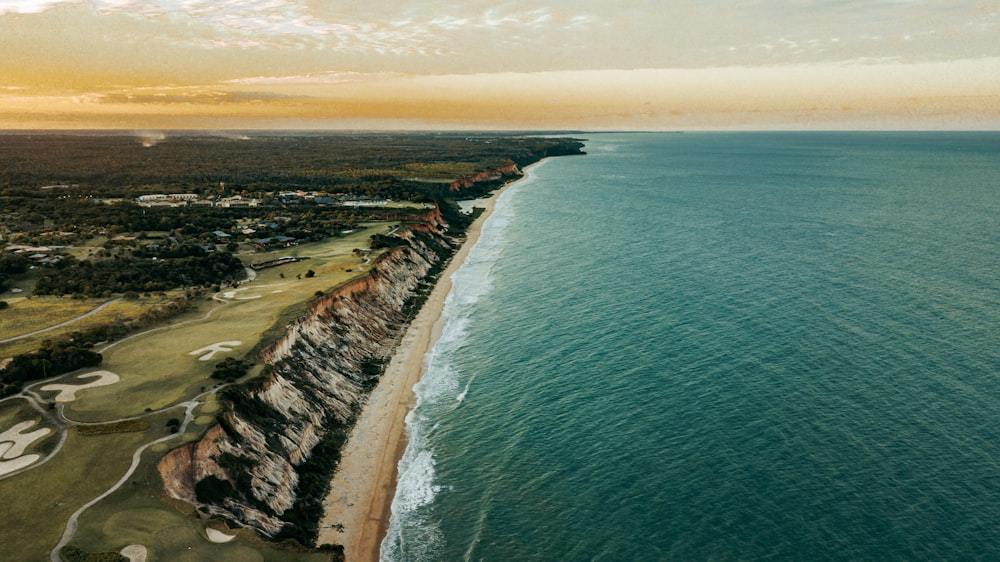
<point>267,462</point>
<point>488,176</point>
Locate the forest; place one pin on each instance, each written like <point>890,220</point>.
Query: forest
<point>78,189</point>
<point>127,165</point>
<point>102,278</point>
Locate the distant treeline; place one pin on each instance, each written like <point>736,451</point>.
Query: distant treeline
<point>24,211</point>
<point>377,165</point>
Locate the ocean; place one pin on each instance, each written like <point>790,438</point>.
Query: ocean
<point>720,346</point>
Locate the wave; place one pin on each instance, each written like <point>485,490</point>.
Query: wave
<point>465,392</point>
<point>713,380</point>
<point>413,532</point>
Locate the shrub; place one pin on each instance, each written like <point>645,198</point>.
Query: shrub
<point>74,554</point>
<point>230,369</point>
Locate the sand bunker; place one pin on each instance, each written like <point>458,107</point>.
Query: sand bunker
<point>13,443</point>
<point>134,553</point>
<point>218,536</point>
<point>6,467</point>
<point>209,351</point>
<point>67,392</point>
<point>232,295</point>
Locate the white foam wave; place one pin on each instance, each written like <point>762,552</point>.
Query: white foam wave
<point>413,531</point>
<point>412,534</point>
<point>465,392</point>
<point>417,469</point>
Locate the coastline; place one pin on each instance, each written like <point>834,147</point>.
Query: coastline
<point>359,503</point>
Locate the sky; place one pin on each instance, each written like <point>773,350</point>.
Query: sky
<point>495,64</point>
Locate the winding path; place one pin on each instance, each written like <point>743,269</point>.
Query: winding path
<point>73,521</point>
<point>61,324</point>
<point>61,421</point>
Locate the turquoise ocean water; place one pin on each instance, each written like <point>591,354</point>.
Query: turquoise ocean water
<point>721,346</point>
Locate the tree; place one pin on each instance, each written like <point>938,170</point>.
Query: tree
<point>49,361</point>
<point>230,369</point>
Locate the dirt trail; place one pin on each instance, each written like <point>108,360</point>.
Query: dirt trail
<point>61,324</point>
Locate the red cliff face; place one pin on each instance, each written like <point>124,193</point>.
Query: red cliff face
<point>488,175</point>
<point>318,374</point>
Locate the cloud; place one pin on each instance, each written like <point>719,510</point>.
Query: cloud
<point>331,77</point>
<point>296,37</point>
<point>267,19</point>
<point>30,6</point>
<point>191,98</point>
<point>496,17</point>
<point>423,28</point>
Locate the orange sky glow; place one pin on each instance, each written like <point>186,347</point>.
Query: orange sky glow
<point>585,65</point>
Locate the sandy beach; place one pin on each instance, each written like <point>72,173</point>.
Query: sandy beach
<point>359,503</point>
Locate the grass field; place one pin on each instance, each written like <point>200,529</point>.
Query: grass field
<point>26,315</point>
<point>42,499</point>
<point>29,314</point>
<point>158,370</point>
<point>169,532</point>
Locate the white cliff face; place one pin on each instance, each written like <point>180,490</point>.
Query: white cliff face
<point>318,374</point>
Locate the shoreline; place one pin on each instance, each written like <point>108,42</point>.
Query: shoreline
<point>358,505</point>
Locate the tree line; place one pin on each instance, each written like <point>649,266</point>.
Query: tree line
<point>91,278</point>
<point>49,361</point>
<point>118,165</point>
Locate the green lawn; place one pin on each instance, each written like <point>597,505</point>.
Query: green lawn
<point>26,315</point>
<point>42,499</point>
<point>169,532</point>
<point>158,370</point>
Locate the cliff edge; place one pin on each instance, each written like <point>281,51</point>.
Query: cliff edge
<point>266,464</point>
